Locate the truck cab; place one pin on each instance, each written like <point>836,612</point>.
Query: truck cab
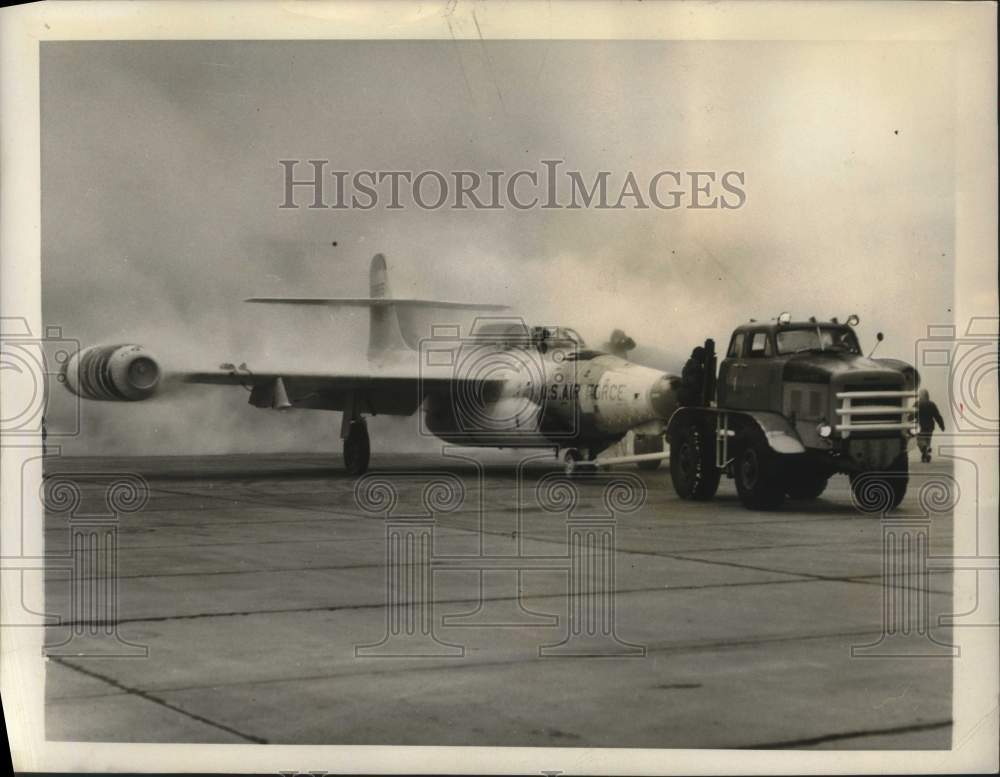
<point>749,375</point>
<point>802,401</point>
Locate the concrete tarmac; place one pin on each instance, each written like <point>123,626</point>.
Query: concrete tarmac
<point>265,599</point>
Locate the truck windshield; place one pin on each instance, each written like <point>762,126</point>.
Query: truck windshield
<point>817,338</point>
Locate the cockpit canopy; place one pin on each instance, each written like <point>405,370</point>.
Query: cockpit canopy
<point>541,338</point>
<point>557,337</point>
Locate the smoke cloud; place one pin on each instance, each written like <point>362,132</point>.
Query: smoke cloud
<point>161,185</point>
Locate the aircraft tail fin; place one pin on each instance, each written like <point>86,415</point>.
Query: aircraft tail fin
<point>385,332</point>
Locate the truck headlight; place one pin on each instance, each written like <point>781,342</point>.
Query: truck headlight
<point>824,430</point>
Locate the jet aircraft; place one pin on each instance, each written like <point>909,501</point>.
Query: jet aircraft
<point>504,384</point>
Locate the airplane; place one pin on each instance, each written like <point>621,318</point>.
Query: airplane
<point>504,384</point>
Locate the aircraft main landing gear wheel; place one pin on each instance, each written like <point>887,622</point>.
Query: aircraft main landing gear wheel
<point>357,448</point>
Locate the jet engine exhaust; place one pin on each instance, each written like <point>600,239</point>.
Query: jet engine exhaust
<point>113,373</point>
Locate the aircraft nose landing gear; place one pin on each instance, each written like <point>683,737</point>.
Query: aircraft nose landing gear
<point>576,462</point>
<point>357,448</point>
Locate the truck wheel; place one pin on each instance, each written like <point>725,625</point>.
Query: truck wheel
<point>807,485</point>
<point>692,464</point>
<point>879,492</point>
<point>758,473</point>
<point>357,449</point>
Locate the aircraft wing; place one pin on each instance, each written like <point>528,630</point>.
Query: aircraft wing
<point>129,373</point>
<point>376,392</point>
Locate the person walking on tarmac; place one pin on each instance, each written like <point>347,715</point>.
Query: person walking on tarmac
<point>927,415</point>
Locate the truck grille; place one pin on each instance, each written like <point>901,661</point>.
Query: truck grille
<point>862,409</point>
<point>871,403</point>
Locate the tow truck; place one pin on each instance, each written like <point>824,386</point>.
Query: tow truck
<point>793,403</point>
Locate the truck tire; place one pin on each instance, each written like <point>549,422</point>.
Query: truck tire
<point>692,464</point>
<point>757,470</point>
<point>879,492</point>
<point>807,485</point>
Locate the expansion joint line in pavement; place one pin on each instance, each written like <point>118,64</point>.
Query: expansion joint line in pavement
<point>382,604</point>
<point>856,579</point>
<point>798,575</point>
<point>146,696</point>
<point>872,732</point>
<point>473,665</point>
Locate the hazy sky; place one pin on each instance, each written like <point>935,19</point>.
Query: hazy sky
<point>161,186</point>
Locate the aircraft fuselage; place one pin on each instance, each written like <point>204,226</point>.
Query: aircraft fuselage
<point>564,397</point>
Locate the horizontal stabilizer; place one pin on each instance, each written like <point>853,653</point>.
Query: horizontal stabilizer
<point>361,302</point>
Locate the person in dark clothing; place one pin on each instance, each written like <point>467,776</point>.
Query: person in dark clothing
<point>927,415</point>
<point>620,344</point>
<point>692,379</point>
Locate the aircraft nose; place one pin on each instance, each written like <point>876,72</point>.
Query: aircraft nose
<point>663,395</point>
